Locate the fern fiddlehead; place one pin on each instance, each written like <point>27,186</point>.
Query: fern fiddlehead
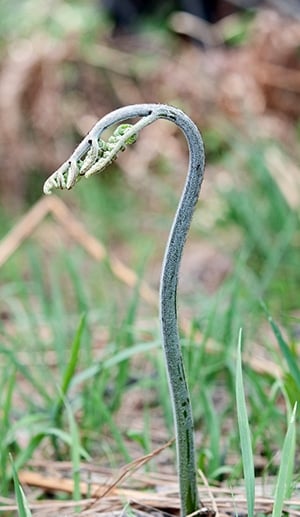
<point>91,157</point>
<point>97,157</point>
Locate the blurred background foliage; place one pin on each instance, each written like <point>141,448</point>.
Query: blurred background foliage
<point>65,64</point>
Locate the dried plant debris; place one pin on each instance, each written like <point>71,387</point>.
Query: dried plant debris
<point>137,494</point>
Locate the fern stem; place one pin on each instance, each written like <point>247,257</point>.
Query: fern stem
<point>179,392</point>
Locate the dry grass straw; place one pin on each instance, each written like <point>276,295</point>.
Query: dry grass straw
<point>107,492</point>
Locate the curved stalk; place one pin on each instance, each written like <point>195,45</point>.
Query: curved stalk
<point>69,173</point>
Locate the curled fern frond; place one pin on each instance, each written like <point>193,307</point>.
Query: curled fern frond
<point>98,155</point>
<point>108,151</point>
<point>122,130</point>
<point>91,156</point>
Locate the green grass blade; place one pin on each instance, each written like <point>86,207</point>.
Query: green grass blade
<point>124,341</point>
<point>26,453</point>
<point>70,369</point>
<point>12,356</point>
<point>284,479</point>
<point>113,360</point>
<point>23,508</point>
<point>6,405</point>
<point>69,372</point>
<point>289,357</point>
<point>244,432</point>
<point>67,439</point>
<point>285,349</point>
<point>75,452</point>
<point>213,425</point>
<point>115,432</point>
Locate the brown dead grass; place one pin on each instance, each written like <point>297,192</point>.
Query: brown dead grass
<point>106,492</point>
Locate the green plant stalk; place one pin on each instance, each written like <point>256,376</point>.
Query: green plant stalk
<point>6,405</point>
<point>75,453</point>
<point>86,158</point>
<point>69,371</point>
<point>66,381</point>
<point>284,479</point>
<point>23,507</point>
<point>244,431</point>
<point>285,349</point>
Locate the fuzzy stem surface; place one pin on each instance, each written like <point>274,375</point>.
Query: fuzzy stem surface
<point>182,410</point>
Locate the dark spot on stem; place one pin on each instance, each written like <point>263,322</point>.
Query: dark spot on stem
<point>169,117</point>
<point>188,444</point>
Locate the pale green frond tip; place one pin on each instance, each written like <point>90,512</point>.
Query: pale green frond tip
<point>96,157</point>
<point>122,130</point>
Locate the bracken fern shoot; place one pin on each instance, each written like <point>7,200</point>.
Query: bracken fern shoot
<point>92,156</point>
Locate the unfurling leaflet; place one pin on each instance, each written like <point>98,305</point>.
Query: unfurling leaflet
<point>98,155</point>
